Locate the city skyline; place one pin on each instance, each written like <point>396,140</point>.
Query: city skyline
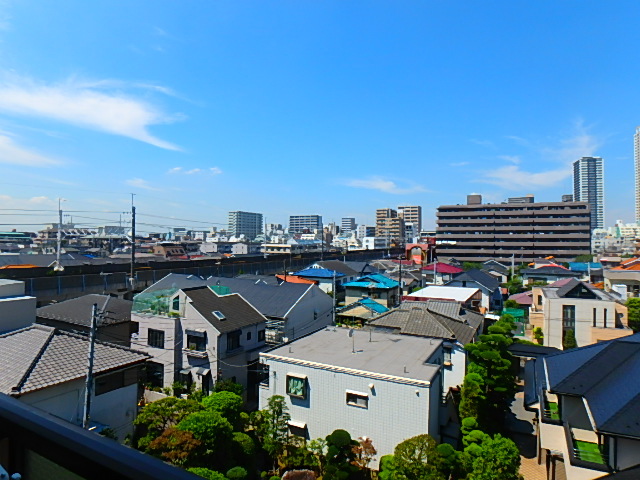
<point>204,109</point>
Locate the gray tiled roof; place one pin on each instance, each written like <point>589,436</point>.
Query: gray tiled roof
<point>478,276</point>
<point>40,356</point>
<point>237,311</point>
<point>428,320</point>
<point>270,300</point>
<point>77,311</point>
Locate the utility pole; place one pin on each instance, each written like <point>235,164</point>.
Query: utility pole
<point>89,384</point>
<point>132,278</point>
<point>58,266</point>
<point>400,281</point>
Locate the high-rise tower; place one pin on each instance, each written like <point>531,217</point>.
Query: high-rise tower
<point>588,186</point>
<point>636,156</point>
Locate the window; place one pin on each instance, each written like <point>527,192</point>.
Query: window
<point>156,338</point>
<point>155,374</point>
<point>233,340</point>
<point>261,335</point>
<point>113,381</point>
<point>447,355</point>
<point>175,305</point>
<point>358,399</point>
<point>248,336</point>
<point>594,317</point>
<point>197,342</point>
<point>297,386</point>
<point>569,316</point>
<point>605,318</point>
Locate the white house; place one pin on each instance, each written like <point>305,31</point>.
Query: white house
<point>195,335</point>
<point>47,368</point>
<point>383,386</point>
<point>17,310</point>
<point>485,282</point>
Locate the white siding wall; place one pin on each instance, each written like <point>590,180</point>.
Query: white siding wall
<point>396,411</point>
<point>584,319</point>
<point>454,375</point>
<point>170,355</point>
<point>300,320</point>
<point>17,312</point>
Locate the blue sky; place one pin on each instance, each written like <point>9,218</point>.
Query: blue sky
<point>304,107</point>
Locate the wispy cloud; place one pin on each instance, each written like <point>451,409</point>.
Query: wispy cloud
<point>511,158</point>
<point>12,153</point>
<point>193,171</point>
<point>384,185</point>
<point>483,143</point>
<point>512,177</point>
<point>140,183</point>
<point>92,105</point>
<point>459,164</point>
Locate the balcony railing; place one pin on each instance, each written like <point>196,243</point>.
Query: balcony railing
<point>195,353</point>
<point>550,409</point>
<point>585,450</point>
<point>40,446</point>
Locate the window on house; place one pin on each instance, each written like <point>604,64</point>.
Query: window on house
<point>447,355</point>
<point>154,373</point>
<point>297,386</point>
<point>594,317</point>
<point>175,305</point>
<point>233,340</point>
<point>248,336</point>
<point>604,318</point>
<point>539,300</point>
<point>261,335</point>
<point>358,399</point>
<point>197,342</point>
<point>155,338</point>
<point>569,316</point>
<point>113,381</point>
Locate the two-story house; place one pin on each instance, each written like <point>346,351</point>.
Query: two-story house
<point>485,282</point>
<point>379,385</point>
<point>586,402</point>
<point>198,336</point>
<point>593,314</point>
<point>375,286</point>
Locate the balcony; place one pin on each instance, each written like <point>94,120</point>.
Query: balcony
<point>550,410</point>
<point>191,352</point>
<point>585,450</point>
<point>40,446</point>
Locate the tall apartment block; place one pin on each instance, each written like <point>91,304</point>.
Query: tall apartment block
<point>636,156</point>
<point>412,214</point>
<point>476,232</point>
<point>245,223</point>
<point>389,225</point>
<point>588,186</point>
<point>363,231</point>
<point>300,223</point>
<point>348,225</point>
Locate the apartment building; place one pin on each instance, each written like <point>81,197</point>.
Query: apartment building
<point>412,214</point>
<point>389,225</point>
<point>476,232</point>
<point>245,223</point>
<point>347,225</point>
<point>300,223</point>
<point>588,186</point>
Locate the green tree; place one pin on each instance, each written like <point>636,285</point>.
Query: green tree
<point>272,427</point>
<point>340,456</point>
<point>387,468</point>
<point>511,304</point>
<point>472,396</point>
<point>228,385</point>
<point>227,404</point>
<point>466,266</point>
<point>538,334</point>
<point>417,458</point>
<point>633,312</point>
<point>207,473</point>
<point>156,417</point>
<point>496,458</point>
<point>214,431</point>
<point>175,446</point>
<point>237,473</point>
<point>584,258</point>
<point>569,340</point>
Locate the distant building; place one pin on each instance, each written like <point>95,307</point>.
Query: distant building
<point>636,156</point>
<point>300,223</point>
<point>476,232</point>
<point>365,231</point>
<point>389,225</point>
<point>245,223</point>
<point>411,214</point>
<point>348,225</point>
<point>526,199</point>
<point>567,198</point>
<point>588,186</point>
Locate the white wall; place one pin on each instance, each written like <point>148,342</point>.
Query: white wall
<point>453,376</point>
<point>396,411</point>
<point>170,355</point>
<point>11,288</point>
<point>300,320</point>
<point>584,319</point>
<point>628,453</point>
<point>16,313</point>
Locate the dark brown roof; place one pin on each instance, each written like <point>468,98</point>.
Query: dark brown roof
<point>237,312</point>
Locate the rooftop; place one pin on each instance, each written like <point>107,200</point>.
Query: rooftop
<point>374,280</point>
<point>459,294</point>
<point>77,311</point>
<point>394,357</point>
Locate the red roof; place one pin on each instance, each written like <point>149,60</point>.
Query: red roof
<point>295,279</point>
<point>443,268</point>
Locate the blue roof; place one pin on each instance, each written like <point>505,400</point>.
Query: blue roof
<point>373,305</point>
<point>584,266</point>
<point>318,273</point>
<point>374,280</point>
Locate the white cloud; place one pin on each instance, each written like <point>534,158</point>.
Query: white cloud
<point>580,144</point>
<point>193,171</point>
<point>512,177</point>
<point>92,105</point>
<point>140,183</point>
<point>383,185</point>
<point>175,170</point>
<point>215,170</point>
<point>14,154</point>
<point>511,158</point>
<point>459,164</point>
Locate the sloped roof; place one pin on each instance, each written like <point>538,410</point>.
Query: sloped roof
<point>495,265</point>
<point>364,308</point>
<point>319,273</point>
<point>600,373</point>
<point>77,311</point>
<point>338,266</point>
<point>270,300</point>
<point>431,319</point>
<point>40,356</point>
<point>583,267</point>
<point>442,268</point>
<point>549,270</point>
<point>374,280</point>
<point>237,311</point>
<point>478,276</point>
<point>523,298</point>
<point>444,292</point>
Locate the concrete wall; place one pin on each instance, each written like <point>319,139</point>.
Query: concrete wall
<point>628,453</point>
<point>17,312</point>
<point>453,375</point>
<point>574,412</point>
<point>11,288</point>
<point>395,412</point>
